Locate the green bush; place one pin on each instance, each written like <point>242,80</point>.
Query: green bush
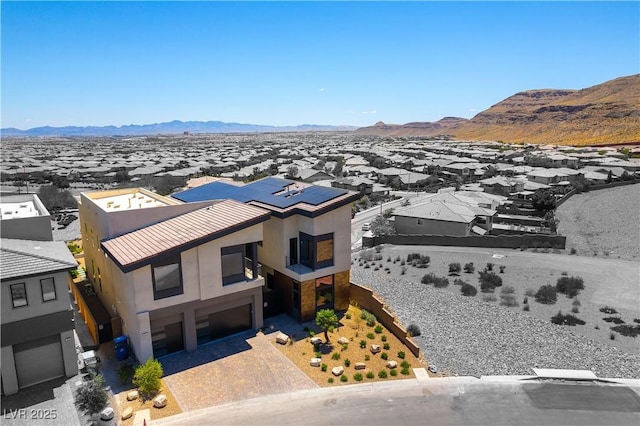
<point>367,357</point>
<point>401,355</point>
<point>508,300</point>
<point>383,338</point>
<point>318,354</point>
<point>147,377</point>
<point>405,364</point>
<point>568,319</point>
<point>382,374</point>
<point>363,344</point>
<point>384,356</point>
<point>469,268</point>
<point>323,367</point>
<point>394,373</point>
<point>546,295</point>
<point>370,336</point>
<point>347,362</point>
<point>357,377</point>
<point>413,330</point>
<point>404,371</point>
<point>386,346</point>
<point>330,380</point>
<point>370,375</point>
<point>489,280</point>
<point>126,373</point>
<point>454,268</point>
<point>335,356</point>
<point>570,286</point>
<point>348,316</point>
<point>369,318</point>
<point>344,378</point>
<point>378,329</point>
<point>91,396</point>
<point>468,290</point>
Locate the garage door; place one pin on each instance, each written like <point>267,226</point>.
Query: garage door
<point>38,361</point>
<point>223,323</point>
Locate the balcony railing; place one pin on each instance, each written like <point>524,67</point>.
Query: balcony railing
<point>248,269</point>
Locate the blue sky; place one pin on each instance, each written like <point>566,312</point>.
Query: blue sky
<point>289,63</point>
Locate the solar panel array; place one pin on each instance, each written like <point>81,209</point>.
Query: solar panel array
<point>263,191</point>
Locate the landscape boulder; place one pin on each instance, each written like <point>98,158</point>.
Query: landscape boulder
<point>316,340</point>
<point>282,338</point>
<point>343,340</point>
<point>160,401</point>
<point>128,412</point>
<point>360,366</point>
<point>315,362</point>
<point>375,349</point>
<point>107,414</point>
<point>132,395</point>
<point>392,364</point>
<point>337,371</point>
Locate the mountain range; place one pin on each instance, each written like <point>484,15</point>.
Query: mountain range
<point>608,113</point>
<point>173,127</point>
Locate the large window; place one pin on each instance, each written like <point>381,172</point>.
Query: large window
<point>19,295</point>
<point>167,278</point>
<point>316,251</point>
<point>324,292</point>
<point>48,287</point>
<point>233,264</point>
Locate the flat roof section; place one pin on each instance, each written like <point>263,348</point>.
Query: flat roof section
<point>130,201</point>
<point>18,210</point>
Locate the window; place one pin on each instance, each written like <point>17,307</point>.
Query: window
<point>293,251</point>
<point>48,287</point>
<point>316,251</point>
<point>324,292</point>
<point>19,295</point>
<point>167,278</point>
<point>233,264</point>
<point>420,221</point>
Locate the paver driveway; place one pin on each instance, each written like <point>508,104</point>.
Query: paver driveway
<point>235,368</point>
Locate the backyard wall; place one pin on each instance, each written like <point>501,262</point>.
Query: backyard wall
<point>492,241</point>
<point>368,300</point>
<point>595,188</point>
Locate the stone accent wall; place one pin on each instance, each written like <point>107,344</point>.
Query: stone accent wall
<point>324,250</point>
<point>341,289</point>
<point>308,300</point>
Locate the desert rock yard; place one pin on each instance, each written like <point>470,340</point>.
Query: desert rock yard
<point>479,335</point>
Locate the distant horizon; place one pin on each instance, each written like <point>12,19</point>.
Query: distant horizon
<point>285,64</point>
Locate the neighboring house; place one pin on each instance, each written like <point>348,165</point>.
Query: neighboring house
<point>175,275</point>
<point>362,185</point>
<point>313,175</point>
<point>547,176</point>
<point>561,160</point>
<point>36,316</point>
<point>501,185</point>
<point>306,251</point>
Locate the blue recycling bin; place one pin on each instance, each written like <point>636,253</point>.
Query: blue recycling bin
<point>121,347</point>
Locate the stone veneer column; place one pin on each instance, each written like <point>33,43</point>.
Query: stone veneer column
<point>307,300</point>
<point>341,287</point>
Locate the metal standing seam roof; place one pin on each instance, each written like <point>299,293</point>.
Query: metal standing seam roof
<point>22,258</point>
<point>138,248</point>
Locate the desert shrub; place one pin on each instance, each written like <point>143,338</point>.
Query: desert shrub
<point>344,347</point>
<point>441,282</point>
<point>413,330</point>
<point>526,307</point>
<point>335,356</point>
<point>363,344</point>
<point>576,302</point>
<point>323,367</point>
<point>370,375</point>
<point>401,355</point>
<point>458,281</point>
<point>489,298</point>
<point>376,269</point>
<point>615,320</point>
<point>502,268</point>
<point>608,310</point>
<point>357,377</point>
<point>489,281</point>
<point>567,319</point>
<point>344,378</point>
<point>386,346</point>
<point>525,300</point>
<point>405,364</point>
<point>398,259</point>
<point>508,300</point>
<point>412,256</point>
<point>74,273</point>
<point>382,374</point>
<point>147,377</point>
<point>546,295</point>
<point>368,317</point>
<point>419,260</point>
<point>570,286</point>
<point>469,268</point>
<point>348,316</point>
<point>508,290</point>
<point>347,362</point>
<point>370,336</point>
<point>367,357</point>
<point>126,373</point>
<point>389,259</point>
<point>384,356</point>
<point>454,268</point>
<point>575,310</point>
<point>378,329</point>
<point>366,266</point>
<point>318,354</point>
<point>636,320</point>
<point>403,270</point>
<point>429,278</point>
<point>91,396</point>
<point>404,371</point>
<point>612,336</point>
<point>468,290</point>
<point>402,263</point>
<point>393,373</point>
<point>489,266</point>
<point>383,337</point>
<point>530,292</point>
<point>573,251</point>
<point>627,330</point>
<point>330,380</point>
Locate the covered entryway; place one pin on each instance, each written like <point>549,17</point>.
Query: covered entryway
<point>167,336</point>
<point>38,361</point>
<point>214,325</point>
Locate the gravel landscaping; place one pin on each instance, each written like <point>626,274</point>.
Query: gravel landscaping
<point>603,222</point>
<point>467,336</point>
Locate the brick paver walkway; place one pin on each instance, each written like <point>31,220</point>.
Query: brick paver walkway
<point>237,368</point>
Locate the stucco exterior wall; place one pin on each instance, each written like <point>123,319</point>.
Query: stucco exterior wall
<point>409,225</point>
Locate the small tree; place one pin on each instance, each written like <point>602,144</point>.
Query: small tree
<point>91,396</point>
<point>547,295</point>
<point>292,171</point>
<point>570,286</point>
<point>326,319</point>
<point>469,268</point>
<point>147,377</point>
<point>454,268</point>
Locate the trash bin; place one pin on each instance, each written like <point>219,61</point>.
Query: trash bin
<point>121,347</point>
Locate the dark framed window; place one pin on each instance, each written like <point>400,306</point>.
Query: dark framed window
<point>293,251</point>
<point>167,278</point>
<point>48,287</point>
<point>19,295</point>
<point>316,251</point>
<point>232,259</point>
<point>324,292</point>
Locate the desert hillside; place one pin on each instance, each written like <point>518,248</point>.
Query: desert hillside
<point>605,113</point>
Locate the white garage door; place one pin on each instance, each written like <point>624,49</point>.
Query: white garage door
<point>38,361</point>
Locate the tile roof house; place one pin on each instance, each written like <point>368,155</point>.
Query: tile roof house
<point>306,250</point>
<point>173,275</point>
<point>37,336</point>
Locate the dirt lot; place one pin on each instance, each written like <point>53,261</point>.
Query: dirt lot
<point>301,351</point>
<point>608,282</point>
<point>603,222</point>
